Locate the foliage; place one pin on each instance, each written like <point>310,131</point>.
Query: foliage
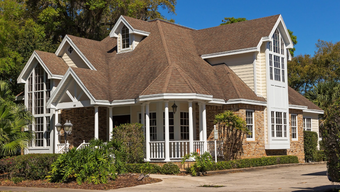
<point>324,93</point>
<point>330,130</point>
<point>96,163</point>
<point>294,40</point>
<point>13,119</point>
<point>170,169</point>
<point>320,156</point>
<point>229,20</point>
<point>253,162</point>
<point>28,167</point>
<point>132,138</point>
<point>17,179</point>
<point>145,168</point>
<point>202,163</point>
<point>310,139</point>
<point>232,130</point>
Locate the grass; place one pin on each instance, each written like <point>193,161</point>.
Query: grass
<point>214,186</point>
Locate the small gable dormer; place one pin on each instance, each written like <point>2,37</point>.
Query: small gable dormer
<point>127,33</point>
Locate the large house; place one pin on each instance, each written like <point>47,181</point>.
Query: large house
<point>174,80</point>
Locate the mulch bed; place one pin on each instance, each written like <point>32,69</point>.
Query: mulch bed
<point>127,180</point>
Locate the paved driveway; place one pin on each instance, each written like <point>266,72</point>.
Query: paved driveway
<point>293,178</point>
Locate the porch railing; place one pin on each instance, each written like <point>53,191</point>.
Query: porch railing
<point>83,145</point>
<point>157,150</point>
<point>62,147</point>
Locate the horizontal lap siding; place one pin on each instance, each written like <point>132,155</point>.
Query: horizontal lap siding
<point>261,84</point>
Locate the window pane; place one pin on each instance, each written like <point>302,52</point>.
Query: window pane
<point>273,123</point>
<point>184,125</point>
<point>250,124</point>
<point>125,37</point>
<point>278,124</point>
<point>153,127</point>
<point>271,66</point>
<point>48,131</point>
<point>294,136</point>
<point>277,71</point>
<point>39,131</point>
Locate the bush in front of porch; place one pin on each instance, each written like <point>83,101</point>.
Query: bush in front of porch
<point>131,137</point>
<point>147,168</point>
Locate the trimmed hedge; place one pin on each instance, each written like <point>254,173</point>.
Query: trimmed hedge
<point>320,156</point>
<point>310,145</point>
<point>146,168</point>
<point>29,167</point>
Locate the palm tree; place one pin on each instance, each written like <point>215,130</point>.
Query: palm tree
<point>13,119</point>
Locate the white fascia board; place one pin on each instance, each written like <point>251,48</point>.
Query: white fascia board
<point>228,53</point>
<point>35,55</point>
<point>313,111</point>
<point>169,96</point>
<point>263,39</point>
<point>131,29</point>
<point>75,48</point>
<point>299,107</point>
<point>285,31</point>
<point>246,101</point>
<point>70,105</point>
<point>68,73</point>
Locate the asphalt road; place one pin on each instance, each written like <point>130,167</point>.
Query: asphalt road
<point>292,178</point>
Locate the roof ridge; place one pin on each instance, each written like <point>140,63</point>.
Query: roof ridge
<point>192,79</point>
<point>153,81</point>
<point>233,24</point>
<point>168,22</point>
<point>167,79</point>
<point>185,79</point>
<point>161,33</point>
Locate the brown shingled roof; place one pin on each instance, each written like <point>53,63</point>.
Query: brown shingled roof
<point>296,98</point>
<point>233,36</point>
<point>55,64</point>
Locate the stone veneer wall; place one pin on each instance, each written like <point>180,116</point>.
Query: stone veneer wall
<point>83,124</point>
<point>251,149</point>
<point>297,147</point>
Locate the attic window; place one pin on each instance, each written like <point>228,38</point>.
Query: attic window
<point>70,49</point>
<point>125,37</point>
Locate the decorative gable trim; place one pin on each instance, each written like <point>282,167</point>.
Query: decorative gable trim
<point>121,19</point>
<point>75,48</point>
<point>284,32</point>
<point>24,73</point>
<point>71,73</point>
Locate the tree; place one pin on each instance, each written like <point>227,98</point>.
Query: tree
<point>229,20</point>
<point>232,130</point>
<point>324,93</point>
<point>13,118</point>
<point>294,40</point>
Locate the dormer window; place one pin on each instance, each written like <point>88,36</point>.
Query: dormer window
<point>70,50</point>
<point>125,38</point>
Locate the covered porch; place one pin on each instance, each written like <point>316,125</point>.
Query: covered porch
<point>172,129</point>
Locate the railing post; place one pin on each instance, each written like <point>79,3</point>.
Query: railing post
<point>204,122</point>
<point>96,123</point>
<point>191,129</point>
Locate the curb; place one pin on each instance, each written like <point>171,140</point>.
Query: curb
<point>237,170</point>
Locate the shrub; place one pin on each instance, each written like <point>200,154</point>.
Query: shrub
<point>17,179</point>
<point>132,138</point>
<point>31,166</point>
<point>96,163</point>
<point>320,156</point>
<point>203,163</point>
<point>310,144</point>
<point>170,169</point>
<point>243,163</point>
<point>145,168</point>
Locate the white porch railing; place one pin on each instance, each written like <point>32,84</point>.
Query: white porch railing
<point>199,147</point>
<point>83,145</point>
<point>62,147</point>
<point>157,150</point>
<point>178,149</point>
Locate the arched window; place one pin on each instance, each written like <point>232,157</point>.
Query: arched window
<point>125,37</point>
<point>276,45</point>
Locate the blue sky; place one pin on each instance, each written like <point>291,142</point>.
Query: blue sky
<point>309,20</point>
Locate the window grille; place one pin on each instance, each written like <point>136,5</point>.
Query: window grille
<point>184,119</point>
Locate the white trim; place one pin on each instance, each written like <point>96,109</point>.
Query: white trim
<point>169,96</point>
<point>28,65</point>
<point>297,126</point>
<point>253,133</point>
<point>299,107</point>
<point>131,29</point>
<point>246,101</point>
<point>75,48</point>
<point>228,53</point>
<point>313,111</point>
<point>284,28</point>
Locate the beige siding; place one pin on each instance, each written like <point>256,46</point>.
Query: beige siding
<point>265,124</point>
<point>261,83</point>
<point>68,60</point>
<point>137,40</point>
<point>242,65</point>
<point>73,59</point>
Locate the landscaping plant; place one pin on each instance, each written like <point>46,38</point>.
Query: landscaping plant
<point>310,139</point>
<point>232,130</point>
<point>96,163</point>
<point>131,137</point>
<point>202,163</point>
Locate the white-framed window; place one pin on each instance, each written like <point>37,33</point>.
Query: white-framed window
<point>48,131</point>
<point>39,131</point>
<point>153,127</point>
<point>171,125</point>
<point>276,61</point>
<point>125,37</point>
<point>184,125</point>
<point>307,124</point>
<point>294,127</point>
<point>279,124</point>
<point>250,125</point>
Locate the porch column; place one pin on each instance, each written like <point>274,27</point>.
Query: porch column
<point>166,123</point>
<point>147,132</point>
<point>110,123</point>
<point>96,123</point>
<point>56,136</point>
<point>200,121</point>
<point>204,122</point>
<point>142,121</point>
<point>191,129</point>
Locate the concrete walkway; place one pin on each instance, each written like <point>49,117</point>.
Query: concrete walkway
<point>292,178</point>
